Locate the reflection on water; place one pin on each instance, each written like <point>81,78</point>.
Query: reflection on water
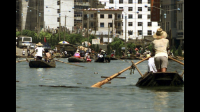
<point>66,88</point>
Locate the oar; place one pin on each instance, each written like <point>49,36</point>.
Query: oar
<point>99,84</point>
<point>20,60</point>
<point>68,63</point>
<point>175,60</point>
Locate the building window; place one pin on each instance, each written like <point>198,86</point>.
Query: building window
<point>148,16</point>
<point>139,23</point>
<point>58,2</point>
<point>130,23</point>
<point>149,8</point>
<point>180,25</point>
<point>92,15</point>
<point>149,32</point>
<point>121,1</point>
<point>149,24</point>
<point>149,1</point>
<point>130,1</point>
<point>110,1</point>
<point>119,16</point>
<point>140,16</point>
<point>110,16</point>
<point>110,24</point>
<point>139,8</point>
<point>101,15</point>
<point>58,19</point>
<point>101,24</point>
<point>120,7</point>
<point>139,32</point>
<point>92,24</point>
<point>130,16</point>
<point>139,1</point>
<point>119,24</point>
<point>58,10</point>
<point>130,32</point>
<point>130,8</point>
<point>122,23</point>
<point>122,16</point>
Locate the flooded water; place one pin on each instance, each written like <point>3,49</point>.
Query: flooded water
<point>66,88</point>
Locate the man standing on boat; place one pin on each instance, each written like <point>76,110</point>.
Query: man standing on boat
<point>160,45</point>
<point>39,50</point>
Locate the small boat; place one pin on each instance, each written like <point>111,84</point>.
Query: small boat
<point>75,59</point>
<point>42,64</point>
<point>103,60</point>
<point>160,79</point>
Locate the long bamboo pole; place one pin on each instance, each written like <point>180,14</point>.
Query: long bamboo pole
<point>68,63</point>
<point>176,60</point>
<point>99,84</point>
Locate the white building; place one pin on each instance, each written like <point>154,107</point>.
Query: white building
<point>52,10</point>
<point>134,20</point>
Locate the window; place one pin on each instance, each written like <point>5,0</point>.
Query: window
<point>110,1</point>
<point>58,19</point>
<point>139,32</point>
<point>139,1</point>
<point>130,23</point>
<point>122,23</point>
<point>180,25</point>
<point>130,1</point>
<point>92,15</point>
<point>121,1</point>
<point>149,1</point>
<point>119,16</point>
<point>130,32</point>
<point>148,16</point>
<point>110,16</point>
<point>118,24</point>
<point>139,8</point>
<point>92,24</point>
<point>58,2</point>
<point>149,32</point>
<point>101,15</point>
<point>58,10</point>
<point>101,24</point>
<point>140,16</point>
<point>149,24</point>
<point>110,24</point>
<point>120,7</point>
<point>130,8</point>
<point>149,8</point>
<point>122,16</point>
<point>130,16</point>
<point>139,23</point>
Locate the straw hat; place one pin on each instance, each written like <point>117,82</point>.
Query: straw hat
<point>160,34</point>
<point>39,44</point>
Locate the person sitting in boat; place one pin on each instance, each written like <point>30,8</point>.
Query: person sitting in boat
<point>65,52</point>
<point>39,50</point>
<point>77,54</point>
<point>47,55</point>
<point>151,64</point>
<point>87,56</point>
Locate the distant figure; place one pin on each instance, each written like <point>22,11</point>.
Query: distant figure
<point>65,52</point>
<point>47,55</point>
<point>23,52</point>
<point>39,50</point>
<point>77,54</point>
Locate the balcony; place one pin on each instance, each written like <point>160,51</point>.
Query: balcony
<point>81,4</point>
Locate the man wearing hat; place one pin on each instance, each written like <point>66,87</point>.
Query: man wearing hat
<point>160,46</point>
<point>39,50</point>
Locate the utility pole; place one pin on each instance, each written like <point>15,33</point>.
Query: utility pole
<point>108,32</point>
<point>21,22</point>
<point>142,37</point>
<point>125,33</point>
<point>60,19</point>
<point>39,25</point>
<point>88,28</point>
<point>65,28</point>
<point>37,19</point>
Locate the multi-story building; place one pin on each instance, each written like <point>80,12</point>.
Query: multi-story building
<point>173,23</point>
<point>99,19</point>
<point>138,17</point>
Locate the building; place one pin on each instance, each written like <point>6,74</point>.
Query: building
<point>173,23</point>
<point>43,14</point>
<point>138,17</point>
<point>99,19</point>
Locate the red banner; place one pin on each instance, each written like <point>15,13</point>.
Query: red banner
<point>45,40</point>
<point>155,11</point>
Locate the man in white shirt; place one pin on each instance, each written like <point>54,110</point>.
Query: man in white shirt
<point>39,50</point>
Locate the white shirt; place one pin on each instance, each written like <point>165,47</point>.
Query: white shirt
<point>39,51</point>
<point>151,65</point>
<point>65,52</point>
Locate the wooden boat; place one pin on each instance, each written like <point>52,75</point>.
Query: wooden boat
<point>75,59</point>
<point>103,60</point>
<point>42,64</point>
<point>160,79</point>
